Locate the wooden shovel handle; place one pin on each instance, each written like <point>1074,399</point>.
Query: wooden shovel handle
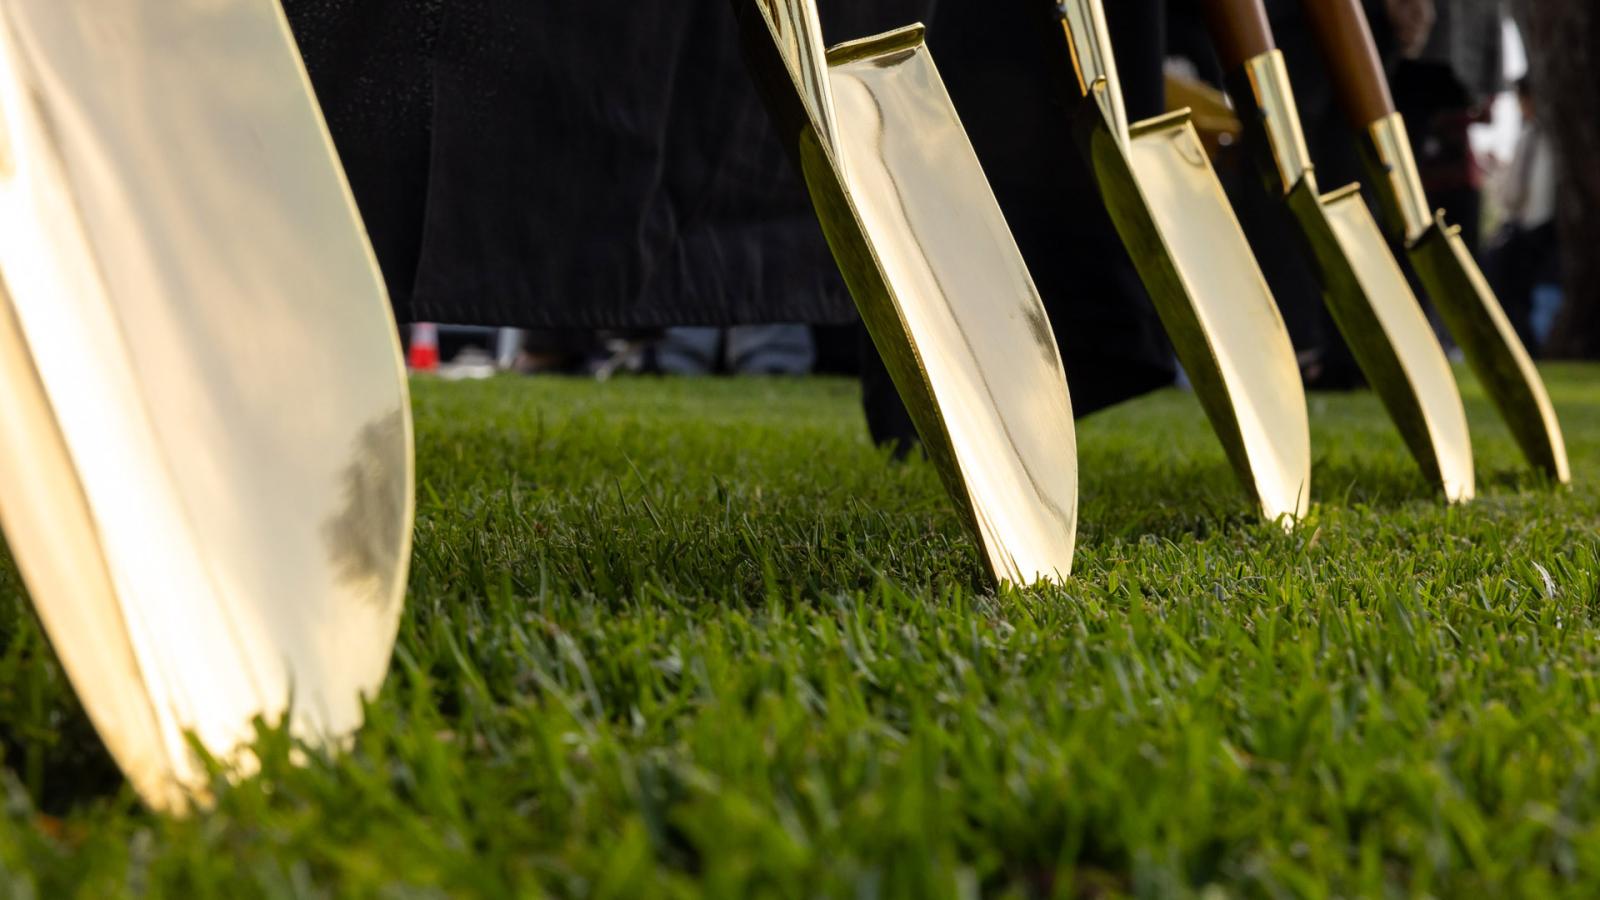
<point>1240,30</point>
<point>1346,37</point>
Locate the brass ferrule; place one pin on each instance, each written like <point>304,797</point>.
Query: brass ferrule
<point>1092,59</point>
<point>1280,119</point>
<point>1399,180</point>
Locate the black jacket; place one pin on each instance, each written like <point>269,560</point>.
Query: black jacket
<point>568,163</point>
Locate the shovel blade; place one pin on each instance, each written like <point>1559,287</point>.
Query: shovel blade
<point>988,373</point>
<point>1490,343</point>
<point>205,454</point>
<point>1388,334</point>
<point>939,281</point>
<point>1213,300</point>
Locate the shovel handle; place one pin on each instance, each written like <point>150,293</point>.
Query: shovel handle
<point>1240,31</point>
<point>1342,29</point>
<point>784,49</point>
<point>1092,57</point>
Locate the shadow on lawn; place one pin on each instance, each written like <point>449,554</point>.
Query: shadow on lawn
<point>1384,484</point>
<point>1168,499</point>
<point>1130,499</point>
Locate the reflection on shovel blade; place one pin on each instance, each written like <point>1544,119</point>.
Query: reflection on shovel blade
<point>976,321</point>
<point>939,282</point>
<point>1213,300</point>
<point>1491,346</point>
<point>1390,337</point>
<point>205,457</point>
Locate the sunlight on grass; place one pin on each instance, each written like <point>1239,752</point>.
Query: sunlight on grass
<point>699,637</point>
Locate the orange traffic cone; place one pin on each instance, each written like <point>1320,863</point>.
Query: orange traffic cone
<point>424,355</point>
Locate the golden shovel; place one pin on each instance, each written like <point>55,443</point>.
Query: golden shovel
<point>1365,289</point>
<point>1190,251</point>
<point>935,272</point>
<point>1441,259</point>
<point>205,438</point>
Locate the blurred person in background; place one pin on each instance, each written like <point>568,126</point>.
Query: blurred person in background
<point>740,350</point>
<point>1451,67</point>
<point>1525,255</point>
<point>578,167</point>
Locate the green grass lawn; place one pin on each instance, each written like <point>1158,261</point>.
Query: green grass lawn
<point>680,638</point>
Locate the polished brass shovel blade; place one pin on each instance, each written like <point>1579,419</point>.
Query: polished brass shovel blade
<point>1191,253</point>
<point>1383,324</point>
<point>1214,302</point>
<point>205,442</point>
<point>1365,289</point>
<point>1465,301</point>
<point>937,276</point>
<point>1475,319</point>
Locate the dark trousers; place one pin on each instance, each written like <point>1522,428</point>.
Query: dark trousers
<point>1519,261</point>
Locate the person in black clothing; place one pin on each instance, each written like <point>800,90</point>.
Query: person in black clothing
<point>1526,252</point>
<point>572,165</point>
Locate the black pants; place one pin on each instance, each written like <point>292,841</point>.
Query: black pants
<point>1521,260</point>
<point>573,164</point>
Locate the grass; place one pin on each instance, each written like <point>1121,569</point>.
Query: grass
<point>685,638</point>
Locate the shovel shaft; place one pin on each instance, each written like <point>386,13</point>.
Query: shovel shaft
<point>1090,41</point>
<point>1240,30</point>
<point>797,40</point>
<point>1244,43</point>
<point>1278,119</point>
<point>1342,29</point>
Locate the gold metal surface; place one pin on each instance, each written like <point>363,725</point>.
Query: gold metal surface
<point>1279,117</point>
<point>205,441</point>
<point>797,32</point>
<point>1398,178</point>
<point>1092,58</point>
<point>1473,314</point>
<point>1185,240</point>
<point>1391,338</point>
<point>1466,302</point>
<point>938,278</point>
<point>1367,293</point>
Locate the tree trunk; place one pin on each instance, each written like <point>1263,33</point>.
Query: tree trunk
<point>1563,38</point>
